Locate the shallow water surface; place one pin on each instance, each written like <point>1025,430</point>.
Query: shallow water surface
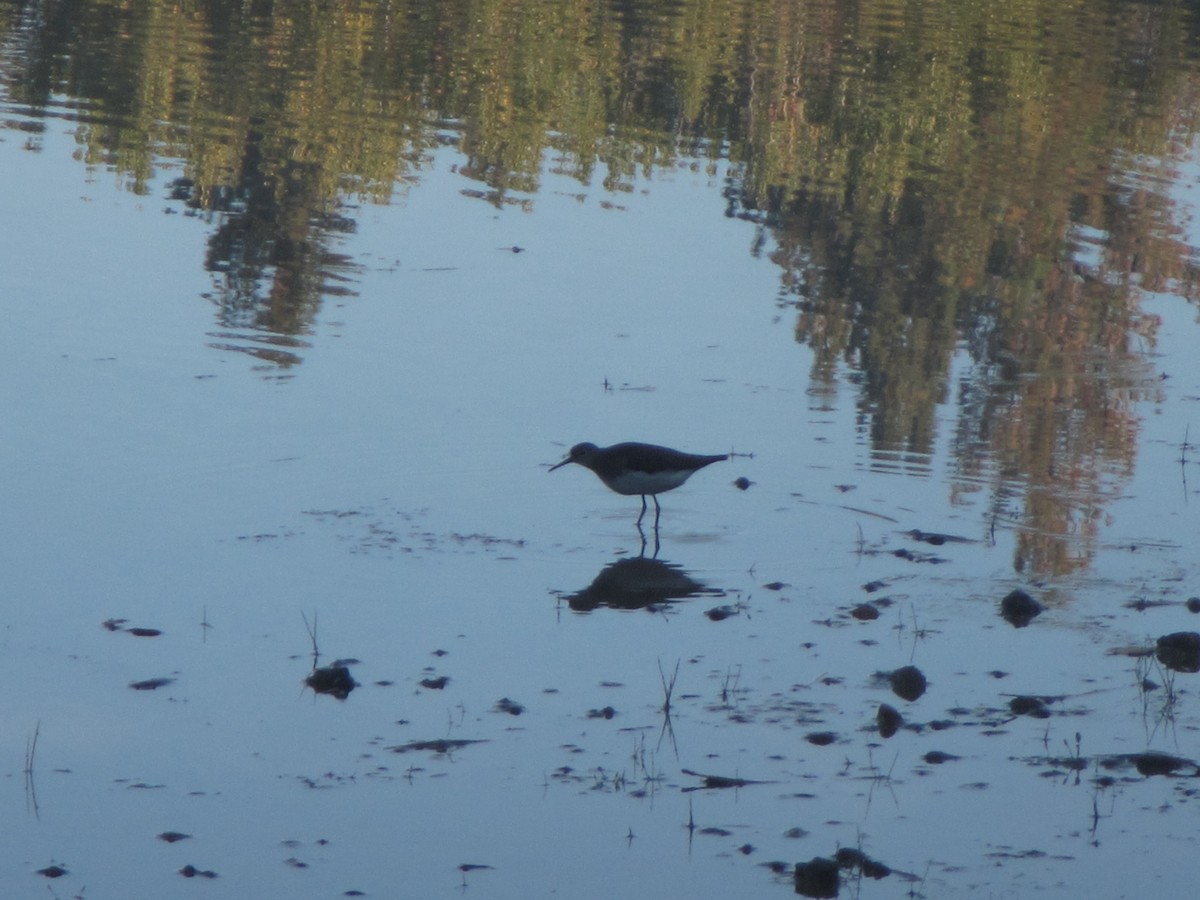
<point>304,304</point>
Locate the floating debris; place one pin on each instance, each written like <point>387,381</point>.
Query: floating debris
<point>143,632</point>
<point>742,483</point>
<point>717,782</point>
<point>1019,609</point>
<point>442,745</point>
<point>172,836</point>
<point>52,872</point>
<point>334,680</point>
<point>114,624</point>
<point>821,738</point>
<point>935,539</point>
<point>607,713</point>
<point>190,871</point>
<point>912,556</point>
<point>512,707</point>
<point>435,684</point>
<point>150,684</point>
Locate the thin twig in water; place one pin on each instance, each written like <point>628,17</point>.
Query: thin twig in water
<point>668,687</point>
<point>729,685</point>
<point>31,748</point>
<point>312,635</point>
<point>1183,460</point>
<point>30,751</point>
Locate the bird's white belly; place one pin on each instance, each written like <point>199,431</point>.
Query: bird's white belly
<point>646,482</point>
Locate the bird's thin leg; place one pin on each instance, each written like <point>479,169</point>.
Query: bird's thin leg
<point>643,512</point>
<point>657,513</point>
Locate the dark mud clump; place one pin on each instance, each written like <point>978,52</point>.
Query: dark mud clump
<point>819,877</point>
<point>888,719</point>
<point>1018,609</point>
<point>851,858</point>
<point>512,707</point>
<point>908,683</point>
<point>1034,707</point>
<point>938,757</point>
<point>333,680</point>
<point>1149,764</point>
<point>1179,651</point>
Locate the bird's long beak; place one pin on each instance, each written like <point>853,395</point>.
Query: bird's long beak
<point>561,464</point>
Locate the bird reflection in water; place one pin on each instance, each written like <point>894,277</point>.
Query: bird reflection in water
<point>639,583</point>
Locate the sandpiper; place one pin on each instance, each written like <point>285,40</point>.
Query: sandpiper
<point>632,468</point>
